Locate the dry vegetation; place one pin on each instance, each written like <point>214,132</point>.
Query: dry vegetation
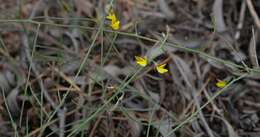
<point>64,72</point>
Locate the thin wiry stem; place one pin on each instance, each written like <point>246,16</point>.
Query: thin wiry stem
<point>193,115</point>
<point>174,45</point>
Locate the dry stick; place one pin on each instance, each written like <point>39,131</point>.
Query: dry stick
<point>83,63</point>
<point>34,69</point>
<point>252,49</point>
<point>92,132</point>
<point>33,133</point>
<point>17,72</point>
<point>9,113</point>
<point>218,14</point>
<point>70,18</point>
<point>204,85</point>
<point>35,8</point>
<point>191,87</point>
<point>201,115</point>
<point>203,106</point>
<point>253,13</point>
<point>29,57</point>
<point>241,20</point>
<point>62,118</point>
<point>70,81</point>
<point>191,17</point>
<point>120,89</point>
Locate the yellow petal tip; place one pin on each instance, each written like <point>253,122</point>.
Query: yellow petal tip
<point>141,61</point>
<point>221,84</point>
<point>161,69</point>
<point>115,25</point>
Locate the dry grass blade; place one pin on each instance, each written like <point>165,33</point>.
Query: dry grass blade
<point>70,81</point>
<point>218,15</point>
<point>62,118</point>
<point>231,130</point>
<point>203,106</point>
<point>13,102</point>
<point>187,75</point>
<point>253,13</point>
<point>252,48</point>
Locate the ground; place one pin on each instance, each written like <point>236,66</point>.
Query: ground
<point>172,68</point>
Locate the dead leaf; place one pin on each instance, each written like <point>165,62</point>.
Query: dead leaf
<point>84,6</point>
<point>218,15</point>
<point>136,128</point>
<point>12,102</point>
<point>165,127</point>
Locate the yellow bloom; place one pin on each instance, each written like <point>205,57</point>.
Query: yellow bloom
<point>161,69</point>
<point>221,84</point>
<point>141,61</point>
<point>114,24</point>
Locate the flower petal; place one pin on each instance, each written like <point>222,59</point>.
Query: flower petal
<point>141,61</point>
<point>161,69</point>
<point>111,16</point>
<point>115,25</point>
<point>221,84</point>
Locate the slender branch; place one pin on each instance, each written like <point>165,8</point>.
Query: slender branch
<point>253,13</point>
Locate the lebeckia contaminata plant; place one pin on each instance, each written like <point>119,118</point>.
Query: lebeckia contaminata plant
<point>142,61</point>
<point>114,22</point>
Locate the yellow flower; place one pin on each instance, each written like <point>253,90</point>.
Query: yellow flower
<point>161,69</point>
<point>141,61</point>
<point>221,84</point>
<point>114,24</point>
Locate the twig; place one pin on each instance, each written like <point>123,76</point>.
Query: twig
<point>252,49</point>
<point>66,78</point>
<point>218,15</point>
<point>94,127</point>
<point>191,87</point>
<point>9,113</point>
<point>203,106</point>
<point>241,20</point>
<point>253,13</point>
<point>35,9</point>
<point>73,40</point>
<point>29,56</point>
<point>194,19</point>
<point>62,119</point>
<point>164,7</point>
<point>100,109</point>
